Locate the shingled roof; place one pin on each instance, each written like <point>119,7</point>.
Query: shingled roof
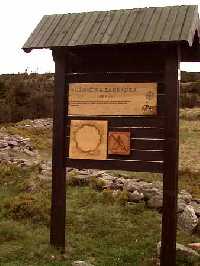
<point>155,24</point>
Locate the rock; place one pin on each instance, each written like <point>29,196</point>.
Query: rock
<point>12,143</point>
<point>155,202</point>
<point>181,251</point>
<point>3,144</point>
<point>181,205</point>
<point>187,220</point>
<point>135,196</point>
<point>185,196</point>
<point>197,229</point>
<point>81,263</point>
<point>196,207</point>
<point>150,192</point>
<point>28,152</point>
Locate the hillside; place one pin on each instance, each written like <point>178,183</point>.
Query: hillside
<point>24,96</point>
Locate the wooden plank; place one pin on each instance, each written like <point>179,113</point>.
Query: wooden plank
<point>152,25</point>
<point>36,31</point>
<point>137,25</point>
<point>161,24</point>
<point>126,121</point>
<point>88,28</point>
<point>50,32</point>
<point>71,29</point>
<point>145,23</point>
<point>80,29</point>
<point>116,76</point>
<point>141,155</point>
<point>107,19</point>
<point>58,199</point>
<point>112,25</point>
<point>170,178</point>
<point>142,132</point>
<point>176,32</point>
<point>111,164</point>
<point>189,18</point>
<point>43,30</point>
<point>94,30</point>
<point>128,25</point>
<point>119,30</point>
<point>147,144</point>
<point>54,38</point>
<point>169,24</point>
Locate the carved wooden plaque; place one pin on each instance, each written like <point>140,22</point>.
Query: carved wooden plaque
<point>119,143</point>
<point>112,99</point>
<point>88,139</point>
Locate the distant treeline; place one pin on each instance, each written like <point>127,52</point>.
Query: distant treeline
<point>30,96</point>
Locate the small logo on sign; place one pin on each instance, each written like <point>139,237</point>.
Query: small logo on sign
<point>119,143</point>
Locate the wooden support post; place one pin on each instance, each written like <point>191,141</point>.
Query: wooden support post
<point>58,205</point>
<point>170,178</point>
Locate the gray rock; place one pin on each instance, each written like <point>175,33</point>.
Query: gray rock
<point>3,144</point>
<point>181,205</point>
<point>185,196</point>
<point>12,143</point>
<point>150,192</point>
<point>196,207</point>
<point>28,152</point>
<point>187,220</point>
<point>135,196</point>
<point>81,263</point>
<point>181,251</point>
<point>156,202</point>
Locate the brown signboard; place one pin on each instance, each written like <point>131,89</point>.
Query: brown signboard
<point>119,143</point>
<point>88,139</point>
<point>112,99</point>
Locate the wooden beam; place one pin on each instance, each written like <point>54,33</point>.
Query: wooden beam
<point>190,54</point>
<point>170,178</point>
<point>58,205</point>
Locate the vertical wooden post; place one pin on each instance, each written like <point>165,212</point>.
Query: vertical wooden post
<point>58,204</point>
<point>170,178</point>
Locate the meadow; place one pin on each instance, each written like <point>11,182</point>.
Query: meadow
<point>99,229</point>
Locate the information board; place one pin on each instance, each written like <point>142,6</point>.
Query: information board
<point>112,99</point>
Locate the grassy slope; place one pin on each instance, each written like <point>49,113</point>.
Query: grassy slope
<point>99,230</point>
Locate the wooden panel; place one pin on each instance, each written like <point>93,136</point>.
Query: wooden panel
<point>120,29</point>
<point>88,28</point>
<point>112,99</point>
<point>145,23</point>
<point>44,29</point>
<point>112,25</point>
<point>152,25</point>
<point>76,20</point>
<point>141,155</point>
<point>36,31</point>
<point>82,26</point>
<point>147,144</point>
<point>96,27</point>
<point>176,32</point>
<point>169,24</point>
<point>126,121</point>
<point>116,76</point>
<point>161,24</point>
<point>137,132</point>
<point>138,166</point>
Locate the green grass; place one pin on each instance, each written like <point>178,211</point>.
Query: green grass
<point>100,230</point>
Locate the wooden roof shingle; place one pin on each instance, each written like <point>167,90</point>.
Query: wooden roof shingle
<point>154,24</point>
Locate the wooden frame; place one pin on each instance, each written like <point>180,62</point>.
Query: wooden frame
<point>160,133</point>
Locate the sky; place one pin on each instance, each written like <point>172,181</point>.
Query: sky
<point>19,18</point>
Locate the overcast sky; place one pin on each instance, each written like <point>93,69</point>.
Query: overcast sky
<point>19,18</point>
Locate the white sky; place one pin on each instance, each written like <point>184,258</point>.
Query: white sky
<point>19,18</point>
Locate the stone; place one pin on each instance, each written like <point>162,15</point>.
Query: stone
<point>187,220</point>
<point>181,251</point>
<point>135,196</point>
<point>185,196</point>
<point>12,143</point>
<point>150,192</point>
<point>3,144</point>
<point>196,207</point>
<point>155,202</point>
<point>181,205</point>
<point>81,263</point>
<point>195,246</point>
<point>28,152</point>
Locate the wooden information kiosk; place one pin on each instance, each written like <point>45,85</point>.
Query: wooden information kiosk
<point>116,101</point>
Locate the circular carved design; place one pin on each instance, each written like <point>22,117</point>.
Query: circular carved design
<point>87,138</point>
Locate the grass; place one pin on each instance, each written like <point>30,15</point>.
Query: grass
<point>100,230</point>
